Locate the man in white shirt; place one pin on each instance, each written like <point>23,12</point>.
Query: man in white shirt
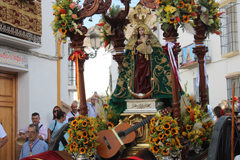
<point>92,112</point>
<point>74,111</point>
<point>42,129</point>
<point>3,136</point>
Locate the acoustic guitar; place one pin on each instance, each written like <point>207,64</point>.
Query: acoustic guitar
<point>111,141</point>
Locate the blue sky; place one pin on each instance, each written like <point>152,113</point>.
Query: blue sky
<point>97,17</point>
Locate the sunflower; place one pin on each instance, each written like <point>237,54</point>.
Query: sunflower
<point>172,20</point>
<point>150,140</point>
<point>175,122</point>
<point>79,132</point>
<point>74,122</point>
<point>205,125</point>
<point>86,140</point>
<point>189,109</point>
<point>63,31</point>
<point>168,144</point>
<point>155,149</point>
<point>78,117</point>
<point>71,135</point>
<point>159,128</point>
<point>160,1</point>
<point>90,145</point>
<point>167,132</point>
<point>110,124</point>
<point>79,138</point>
<point>156,141</point>
<point>178,144</point>
<point>69,131</point>
<point>165,152</point>
<point>63,24</point>
<point>76,127</point>
<point>71,147</point>
<point>93,136</point>
<point>172,141</point>
<point>188,127</point>
<point>186,20</point>
<point>84,123</point>
<point>82,150</point>
<point>166,126</point>
<point>160,136</point>
<point>88,119</point>
<point>181,5</point>
<point>153,120</point>
<point>74,143</point>
<point>84,134</point>
<point>174,131</point>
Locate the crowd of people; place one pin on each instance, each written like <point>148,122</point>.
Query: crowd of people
<point>38,136</point>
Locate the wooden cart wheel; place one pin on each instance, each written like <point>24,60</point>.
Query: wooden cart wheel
<point>220,146</point>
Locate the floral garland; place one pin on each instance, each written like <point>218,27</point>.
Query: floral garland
<point>164,133</point>
<point>82,136</point>
<point>65,12</point>
<point>105,28</point>
<point>109,117</point>
<point>210,16</point>
<point>176,12</point>
<point>197,126</point>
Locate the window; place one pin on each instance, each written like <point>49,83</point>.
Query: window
<point>229,37</point>
<point>230,81</point>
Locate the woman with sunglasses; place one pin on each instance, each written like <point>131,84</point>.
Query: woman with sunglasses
<point>55,110</point>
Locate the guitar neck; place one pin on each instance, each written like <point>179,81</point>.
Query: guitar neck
<point>138,125</point>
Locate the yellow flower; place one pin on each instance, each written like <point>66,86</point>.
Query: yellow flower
<point>174,131</point>
<point>165,152</point>
<point>184,134</point>
<point>71,147</point>
<point>160,136</point>
<point>167,132</point>
<point>63,16</point>
<point>186,20</point>
<point>90,145</point>
<point>159,128</point>
<point>189,109</point>
<point>172,141</point>
<point>79,138</point>
<point>156,141</point>
<point>74,122</point>
<point>64,31</point>
<point>79,132</point>
<point>169,8</point>
<point>84,134</point>
<point>166,126</point>
<point>82,150</point>
<point>168,144</point>
<point>56,19</point>
<point>188,127</point>
<point>86,141</point>
<point>155,149</point>
<point>153,120</point>
<point>110,124</point>
<point>90,132</point>
<point>150,140</point>
<point>109,116</point>
<point>84,123</point>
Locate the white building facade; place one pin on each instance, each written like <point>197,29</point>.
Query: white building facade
<point>28,78</point>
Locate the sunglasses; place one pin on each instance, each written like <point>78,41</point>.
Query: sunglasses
<point>238,124</point>
<point>55,111</point>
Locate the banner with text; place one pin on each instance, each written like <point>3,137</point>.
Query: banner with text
<point>13,59</point>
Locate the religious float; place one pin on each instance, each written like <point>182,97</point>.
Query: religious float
<point>148,92</point>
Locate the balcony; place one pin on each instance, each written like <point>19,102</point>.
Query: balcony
<point>188,60</point>
<point>21,24</point>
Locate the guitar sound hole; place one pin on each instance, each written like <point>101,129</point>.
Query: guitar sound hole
<point>121,134</point>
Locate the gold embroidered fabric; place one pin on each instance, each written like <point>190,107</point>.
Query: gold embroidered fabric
<point>23,15</point>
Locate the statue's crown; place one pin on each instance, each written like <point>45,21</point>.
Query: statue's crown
<point>140,15</point>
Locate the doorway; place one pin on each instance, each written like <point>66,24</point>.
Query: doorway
<point>8,112</point>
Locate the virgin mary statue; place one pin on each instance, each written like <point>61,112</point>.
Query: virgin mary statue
<point>145,68</point>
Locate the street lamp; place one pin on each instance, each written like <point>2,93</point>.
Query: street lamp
<point>95,43</point>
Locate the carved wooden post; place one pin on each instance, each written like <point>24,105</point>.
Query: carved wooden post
<point>171,36</point>
<point>117,24</point>
<point>200,50</point>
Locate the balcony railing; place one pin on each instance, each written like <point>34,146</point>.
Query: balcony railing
<point>21,19</point>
